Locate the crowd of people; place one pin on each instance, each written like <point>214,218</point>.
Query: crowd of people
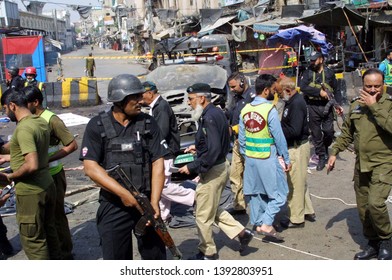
<point>272,124</point>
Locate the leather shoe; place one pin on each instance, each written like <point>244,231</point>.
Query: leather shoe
<point>310,217</point>
<point>289,224</point>
<point>385,251</point>
<point>245,239</point>
<point>321,164</point>
<point>367,254</point>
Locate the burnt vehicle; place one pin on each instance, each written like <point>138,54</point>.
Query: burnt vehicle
<point>181,62</point>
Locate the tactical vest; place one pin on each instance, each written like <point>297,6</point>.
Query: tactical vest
<point>129,149</point>
<point>258,139</point>
<point>39,85</point>
<point>387,73</point>
<point>314,84</point>
<point>54,166</point>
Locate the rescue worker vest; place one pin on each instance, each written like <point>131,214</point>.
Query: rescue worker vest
<point>258,139</point>
<point>292,59</point>
<point>54,166</point>
<point>39,85</point>
<point>128,149</point>
<point>387,73</point>
<point>314,84</point>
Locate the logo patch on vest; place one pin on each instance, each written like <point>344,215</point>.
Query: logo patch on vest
<point>127,147</point>
<point>254,122</point>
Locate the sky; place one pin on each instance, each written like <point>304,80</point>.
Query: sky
<point>61,6</point>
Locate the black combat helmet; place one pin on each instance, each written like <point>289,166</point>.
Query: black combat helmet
<point>123,85</point>
<point>13,70</point>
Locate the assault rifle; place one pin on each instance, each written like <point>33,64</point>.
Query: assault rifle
<point>147,211</point>
<point>331,102</point>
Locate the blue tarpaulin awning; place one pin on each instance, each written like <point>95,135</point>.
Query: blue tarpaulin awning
<point>273,25</point>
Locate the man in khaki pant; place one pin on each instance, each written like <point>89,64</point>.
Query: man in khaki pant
<point>212,145</point>
<point>296,131</point>
<point>243,94</point>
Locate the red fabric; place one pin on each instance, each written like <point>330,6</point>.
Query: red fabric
<point>20,45</point>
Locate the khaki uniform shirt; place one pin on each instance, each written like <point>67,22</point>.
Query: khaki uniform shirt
<point>370,128</point>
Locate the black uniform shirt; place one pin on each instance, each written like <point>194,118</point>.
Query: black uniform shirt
<point>17,83</point>
<point>240,101</point>
<point>295,120</point>
<point>93,146</point>
<point>212,140</point>
<point>167,122</point>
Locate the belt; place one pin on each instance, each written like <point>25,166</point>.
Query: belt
<point>298,143</point>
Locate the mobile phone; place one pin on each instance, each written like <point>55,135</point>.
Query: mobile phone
<point>6,190</point>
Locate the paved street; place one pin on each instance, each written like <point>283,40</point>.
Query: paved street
<point>336,234</point>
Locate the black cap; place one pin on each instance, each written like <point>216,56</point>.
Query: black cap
<point>199,87</point>
<point>315,55</point>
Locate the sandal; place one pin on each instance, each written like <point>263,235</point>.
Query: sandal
<point>272,236</point>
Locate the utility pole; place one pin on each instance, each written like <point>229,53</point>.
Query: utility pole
<point>150,24</point>
<point>55,25</point>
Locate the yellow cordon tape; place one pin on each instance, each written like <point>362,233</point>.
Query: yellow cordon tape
<point>150,56</point>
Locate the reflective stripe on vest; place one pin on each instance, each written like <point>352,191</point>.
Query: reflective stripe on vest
<point>40,85</point>
<point>54,166</point>
<point>387,73</point>
<point>292,59</point>
<point>258,140</point>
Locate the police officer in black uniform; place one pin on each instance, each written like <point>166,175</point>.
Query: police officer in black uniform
<point>314,84</point>
<point>16,82</point>
<point>127,137</point>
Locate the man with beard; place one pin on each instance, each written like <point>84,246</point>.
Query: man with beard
<point>296,131</point>
<point>243,94</point>
<point>35,189</point>
<point>212,144</point>
<point>369,127</point>
<point>314,84</point>
<point>127,137</point>
<point>62,143</point>
<point>261,140</point>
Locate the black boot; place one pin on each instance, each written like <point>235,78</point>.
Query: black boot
<point>385,251</point>
<point>371,251</point>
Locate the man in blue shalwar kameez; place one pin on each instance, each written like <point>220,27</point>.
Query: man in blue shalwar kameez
<point>261,142</point>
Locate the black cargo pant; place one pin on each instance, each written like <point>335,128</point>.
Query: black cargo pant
<point>3,230</point>
<point>115,225</point>
<point>321,129</point>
